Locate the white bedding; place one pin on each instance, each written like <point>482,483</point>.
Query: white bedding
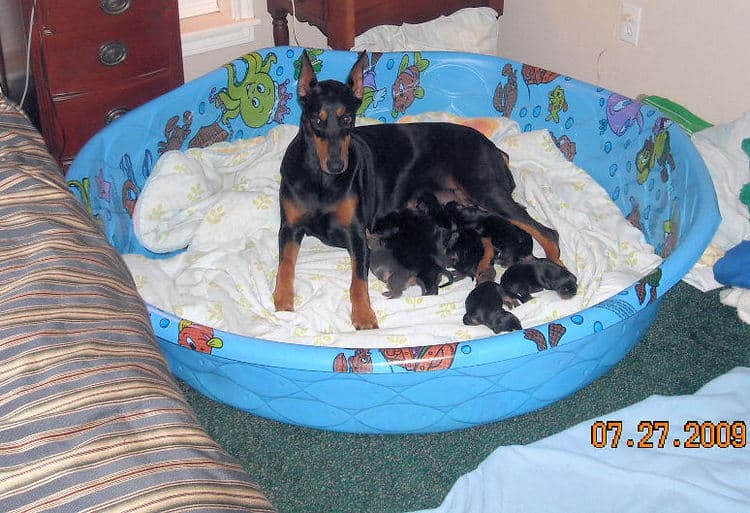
<point>565,472</point>
<point>720,147</point>
<point>221,203</point>
<point>472,29</point>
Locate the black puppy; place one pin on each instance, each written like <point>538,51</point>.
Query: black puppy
<point>466,253</point>
<point>484,305</point>
<point>462,246</point>
<point>522,279</point>
<point>429,204</point>
<point>511,244</point>
<point>416,244</point>
<point>386,267</point>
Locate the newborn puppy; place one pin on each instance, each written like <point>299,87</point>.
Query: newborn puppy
<point>484,305</point>
<point>522,279</point>
<point>466,253</point>
<point>415,242</point>
<point>461,245</point>
<point>428,204</point>
<point>389,270</point>
<point>510,242</point>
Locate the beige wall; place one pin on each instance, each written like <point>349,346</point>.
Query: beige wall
<point>691,51</point>
<point>696,56</point>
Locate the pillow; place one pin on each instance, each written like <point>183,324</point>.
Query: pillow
<point>473,29</point>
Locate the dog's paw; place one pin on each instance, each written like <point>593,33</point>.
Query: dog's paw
<point>283,302</point>
<point>365,320</point>
<point>510,302</point>
<point>487,274</point>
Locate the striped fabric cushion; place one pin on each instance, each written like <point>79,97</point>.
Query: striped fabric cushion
<point>90,419</point>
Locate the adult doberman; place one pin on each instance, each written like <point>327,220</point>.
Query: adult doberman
<point>338,179</point>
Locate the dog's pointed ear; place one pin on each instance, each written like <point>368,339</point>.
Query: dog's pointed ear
<point>356,76</point>
<point>307,78</point>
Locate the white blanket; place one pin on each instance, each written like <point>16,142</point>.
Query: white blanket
<point>221,203</point>
<point>729,167</point>
<point>565,472</point>
<point>720,148</point>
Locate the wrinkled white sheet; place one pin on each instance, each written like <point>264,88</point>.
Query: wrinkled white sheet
<point>729,167</point>
<point>565,472</point>
<point>221,203</point>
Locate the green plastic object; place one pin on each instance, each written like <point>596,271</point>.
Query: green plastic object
<point>677,113</point>
<point>745,195</point>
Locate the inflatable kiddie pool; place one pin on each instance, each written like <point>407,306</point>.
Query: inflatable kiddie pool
<point>647,164</point>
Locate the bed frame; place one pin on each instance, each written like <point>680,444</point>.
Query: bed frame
<point>341,20</point>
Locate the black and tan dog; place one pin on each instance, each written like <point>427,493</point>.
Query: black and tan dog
<point>336,180</point>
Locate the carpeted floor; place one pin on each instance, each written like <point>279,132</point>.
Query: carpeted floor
<point>694,339</point>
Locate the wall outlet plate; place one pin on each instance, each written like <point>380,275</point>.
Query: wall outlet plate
<point>630,23</point>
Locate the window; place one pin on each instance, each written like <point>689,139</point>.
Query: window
<point>208,25</point>
<point>190,8</point>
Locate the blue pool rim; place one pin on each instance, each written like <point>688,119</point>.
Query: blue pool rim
<point>431,388</point>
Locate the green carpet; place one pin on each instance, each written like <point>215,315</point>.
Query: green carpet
<point>694,339</point>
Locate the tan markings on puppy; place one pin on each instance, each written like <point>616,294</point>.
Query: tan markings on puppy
<point>340,111</point>
<point>363,317</point>
<point>283,294</point>
<point>345,210</point>
<point>292,211</point>
<point>551,249</point>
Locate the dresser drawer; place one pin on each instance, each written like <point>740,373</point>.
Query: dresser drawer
<point>82,15</point>
<point>81,116</point>
<point>93,57</point>
<point>78,62</point>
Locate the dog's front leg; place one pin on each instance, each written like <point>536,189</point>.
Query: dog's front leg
<point>485,270</point>
<point>289,242</point>
<point>363,317</point>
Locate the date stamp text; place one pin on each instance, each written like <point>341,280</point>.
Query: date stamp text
<point>658,434</point>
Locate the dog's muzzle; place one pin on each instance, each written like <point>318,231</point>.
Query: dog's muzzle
<point>334,155</point>
<point>334,166</point>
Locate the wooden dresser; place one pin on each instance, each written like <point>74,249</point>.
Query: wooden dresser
<point>341,20</point>
<point>93,60</point>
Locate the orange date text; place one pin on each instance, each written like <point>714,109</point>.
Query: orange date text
<point>656,434</point>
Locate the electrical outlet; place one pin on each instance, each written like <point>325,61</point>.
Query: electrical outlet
<point>630,23</point>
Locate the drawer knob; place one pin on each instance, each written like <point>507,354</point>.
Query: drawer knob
<point>114,7</point>
<point>114,114</point>
<point>113,53</point>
